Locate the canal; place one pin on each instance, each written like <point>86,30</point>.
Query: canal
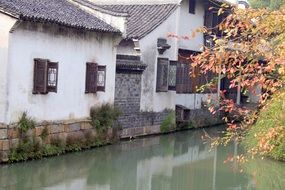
<point>180,161</point>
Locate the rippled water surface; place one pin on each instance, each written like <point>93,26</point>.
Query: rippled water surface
<point>180,161</point>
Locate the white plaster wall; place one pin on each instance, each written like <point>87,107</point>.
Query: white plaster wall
<point>188,23</point>
<point>144,1</point>
<point>6,23</point>
<point>127,48</point>
<point>150,99</point>
<point>135,1</point>
<point>72,51</point>
<point>118,22</point>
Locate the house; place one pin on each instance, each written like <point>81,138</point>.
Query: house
<point>152,71</point>
<point>45,54</point>
<point>56,62</point>
<point>59,58</point>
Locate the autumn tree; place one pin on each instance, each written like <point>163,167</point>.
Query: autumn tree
<point>251,55</point>
<point>272,4</point>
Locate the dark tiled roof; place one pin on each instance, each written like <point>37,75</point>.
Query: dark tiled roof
<point>91,5</point>
<point>130,63</point>
<point>143,18</point>
<point>55,11</point>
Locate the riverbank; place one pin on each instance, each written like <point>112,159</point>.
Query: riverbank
<point>267,136</point>
<point>28,140</point>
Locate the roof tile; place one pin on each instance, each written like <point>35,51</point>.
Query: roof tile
<point>56,11</point>
<point>143,18</point>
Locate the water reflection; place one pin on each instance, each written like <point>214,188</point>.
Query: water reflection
<point>174,162</point>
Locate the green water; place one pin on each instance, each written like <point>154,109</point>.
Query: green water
<point>180,161</point>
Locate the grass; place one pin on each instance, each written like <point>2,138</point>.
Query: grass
<point>269,130</point>
<point>168,123</point>
<point>104,117</point>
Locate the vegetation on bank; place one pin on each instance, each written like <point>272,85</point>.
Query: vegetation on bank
<point>169,123</point>
<point>31,147</point>
<point>267,136</point>
<point>104,117</point>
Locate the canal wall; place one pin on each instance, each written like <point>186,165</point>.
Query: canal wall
<point>69,134</point>
<point>80,134</point>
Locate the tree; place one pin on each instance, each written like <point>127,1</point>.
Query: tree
<point>250,53</point>
<point>272,4</point>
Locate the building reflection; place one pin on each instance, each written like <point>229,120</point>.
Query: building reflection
<point>173,162</point>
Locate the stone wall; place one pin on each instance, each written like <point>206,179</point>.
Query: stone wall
<point>65,132</point>
<point>128,95</point>
<point>204,118</point>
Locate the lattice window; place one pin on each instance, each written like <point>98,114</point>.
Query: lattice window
<point>101,78</point>
<point>172,75</point>
<point>162,75</point>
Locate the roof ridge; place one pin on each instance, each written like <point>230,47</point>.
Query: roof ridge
<point>97,7</point>
<point>48,11</point>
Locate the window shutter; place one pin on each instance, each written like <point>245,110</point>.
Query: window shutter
<point>208,18</point>
<point>192,6</point>
<point>101,78</point>
<point>52,75</point>
<point>162,75</point>
<point>91,78</point>
<point>179,79</point>
<point>172,75</point>
<point>40,76</point>
<point>195,80</point>
<point>188,78</point>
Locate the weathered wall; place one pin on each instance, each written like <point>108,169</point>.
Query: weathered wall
<point>128,93</point>
<point>6,23</point>
<point>127,47</point>
<point>72,49</point>
<point>135,1</point>
<point>194,22</point>
<point>145,1</point>
<point>116,21</point>
<point>151,100</point>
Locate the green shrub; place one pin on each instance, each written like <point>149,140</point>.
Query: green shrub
<point>104,117</point>
<point>25,123</point>
<point>271,119</point>
<point>44,133</point>
<point>168,123</point>
<point>186,125</point>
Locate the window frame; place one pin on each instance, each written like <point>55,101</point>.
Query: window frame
<point>92,78</point>
<point>171,64</point>
<point>101,68</point>
<point>41,72</point>
<point>192,6</point>
<point>160,86</point>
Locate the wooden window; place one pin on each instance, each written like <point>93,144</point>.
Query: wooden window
<point>45,76</point>
<point>188,78</point>
<point>101,78</point>
<point>95,78</point>
<point>162,75</point>
<point>192,6</point>
<point>91,78</point>
<point>172,75</point>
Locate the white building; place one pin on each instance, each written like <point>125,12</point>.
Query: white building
<point>152,73</point>
<point>45,46</point>
<point>61,57</point>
